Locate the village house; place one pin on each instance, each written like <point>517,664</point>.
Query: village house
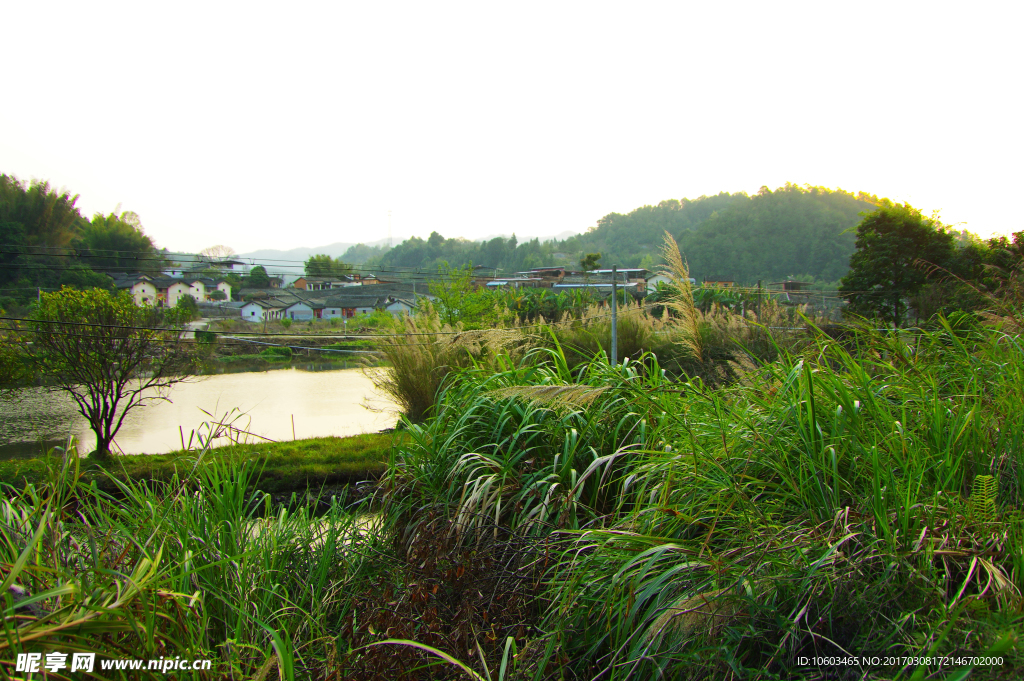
<point>305,310</point>
<point>262,310</point>
<point>399,307</point>
<point>142,287</point>
<point>163,291</point>
<point>318,283</point>
<point>347,305</point>
<point>653,281</point>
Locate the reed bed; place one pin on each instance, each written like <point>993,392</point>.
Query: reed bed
<point>859,496</point>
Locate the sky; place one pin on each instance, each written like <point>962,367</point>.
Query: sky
<point>279,125</point>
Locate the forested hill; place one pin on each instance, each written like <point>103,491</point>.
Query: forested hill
<point>792,231</point>
<point>802,232</point>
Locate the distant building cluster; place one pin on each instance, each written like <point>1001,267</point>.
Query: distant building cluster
<point>185,274</point>
<point>321,297</point>
<point>631,279</point>
<point>344,296</point>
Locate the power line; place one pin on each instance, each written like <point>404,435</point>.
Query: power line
<point>292,335</point>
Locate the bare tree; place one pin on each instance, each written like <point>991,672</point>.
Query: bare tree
<point>110,355</point>
<point>217,252</point>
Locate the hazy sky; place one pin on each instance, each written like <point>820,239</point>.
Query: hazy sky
<point>276,125</point>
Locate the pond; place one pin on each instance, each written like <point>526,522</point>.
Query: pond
<point>266,404</point>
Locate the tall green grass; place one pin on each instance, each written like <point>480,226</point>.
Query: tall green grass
<point>549,519</point>
<point>859,496</point>
<point>200,567</point>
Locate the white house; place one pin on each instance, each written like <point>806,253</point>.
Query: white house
<point>197,288</point>
<point>304,310</point>
<point>260,310</point>
<point>142,288</point>
<point>400,307</point>
<point>174,291</point>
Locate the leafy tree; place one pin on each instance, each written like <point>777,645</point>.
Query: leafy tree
<point>590,261</point>
<point>458,301</point>
<point>884,270</point>
<point>235,282</point>
<point>37,227</point>
<point>12,364</point>
<point>257,277</point>
<point>218,295</point>
<point>108,354</point>
<point>325,266</point>
<point>81,276</point>
<point>187,308</point>
<point>117,242</point>
<point>49,217</point>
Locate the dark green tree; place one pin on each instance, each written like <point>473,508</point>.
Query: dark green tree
<point>257,278</point>
<point>894,245</point>
<point>322,265</point>
<point>187,308</point>
<point>81,276</point>
<point>117,243</point>
<point>590,261</point>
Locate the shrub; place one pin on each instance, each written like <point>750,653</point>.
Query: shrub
<point>277,354</point>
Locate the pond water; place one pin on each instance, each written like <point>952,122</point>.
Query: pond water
<point>265,404</point>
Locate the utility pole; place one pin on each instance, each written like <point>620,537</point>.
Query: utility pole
<point>615,317</point>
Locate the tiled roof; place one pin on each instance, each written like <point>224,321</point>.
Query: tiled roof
<point>344,300</point>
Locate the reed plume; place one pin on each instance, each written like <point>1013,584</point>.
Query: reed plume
<point>681,300</point>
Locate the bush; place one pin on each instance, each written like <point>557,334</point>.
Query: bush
<point>286,323</point>
<point>188,305</point>
<point>277,354</point>
<point>418,361</point>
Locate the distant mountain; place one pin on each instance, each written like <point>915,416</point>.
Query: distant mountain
<point>335,250</point>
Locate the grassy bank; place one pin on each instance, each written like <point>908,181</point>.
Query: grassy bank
<point>557,521</point>
<point>281,467</point>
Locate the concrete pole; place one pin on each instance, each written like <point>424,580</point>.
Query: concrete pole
<point>615,316</point>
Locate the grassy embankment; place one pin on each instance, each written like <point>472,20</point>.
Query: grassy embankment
<point>603,522</point>
<point>550,519</point>
<point>281,467</point>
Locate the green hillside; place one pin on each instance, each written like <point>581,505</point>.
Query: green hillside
<point>795,231</point>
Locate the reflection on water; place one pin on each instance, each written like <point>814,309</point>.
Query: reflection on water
<point>213,368</point>
<point>321,402</point>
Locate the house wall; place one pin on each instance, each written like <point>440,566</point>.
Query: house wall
<point>226,288</point>
<point>198,291</point>
<point>399,308</point>
<point>252,313</point>
<point>144,293</point>
<point>175,292</point>
<point>299,312</point>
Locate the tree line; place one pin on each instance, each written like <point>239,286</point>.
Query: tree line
<point>46,243</point>
<point>793,232</point>
<point>907,263</point>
